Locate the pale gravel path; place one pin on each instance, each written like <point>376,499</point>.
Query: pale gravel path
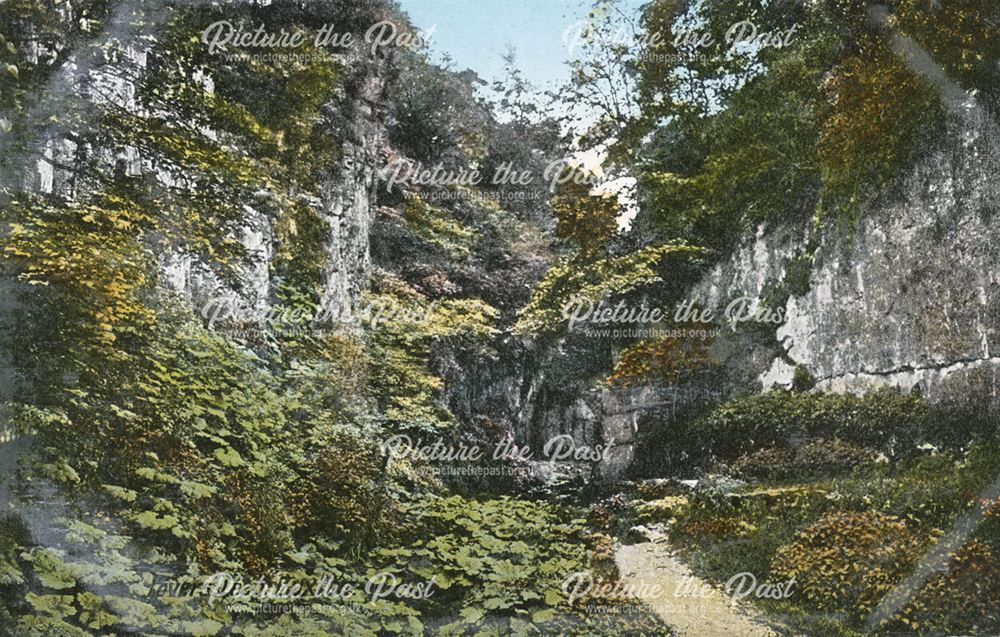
<point>651,563</point>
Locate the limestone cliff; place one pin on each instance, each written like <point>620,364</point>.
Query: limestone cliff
<point>356,116</point>
<point>908,298</point>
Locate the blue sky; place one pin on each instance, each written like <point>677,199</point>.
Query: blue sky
<point>476,33</point>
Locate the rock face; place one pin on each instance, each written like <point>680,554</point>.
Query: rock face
<point>348,193</point>
<point>345,204</point>
<point>345,198</point>
<point>532,392</point>
<point>910,298</point>
<point>198,284</point>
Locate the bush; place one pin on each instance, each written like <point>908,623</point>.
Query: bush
<point>14,536</point>
<point>718,527</point>
<point>661,511</point>
<point>818,457</point>
<point>961,599</point>
<point>769,461</point>
<point>347,497</point>
<point>848,561</point>
<point>499,566</point>
<point>611,514</point>
<point>989,528</point>
<point>658,488</point>
<point>885,420</point>
<point>802,380</point>
<point>928,490</point>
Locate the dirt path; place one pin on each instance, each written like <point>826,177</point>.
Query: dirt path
<point>678,599</point>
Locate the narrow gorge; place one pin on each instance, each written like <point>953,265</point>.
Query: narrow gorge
<point>316,324</point>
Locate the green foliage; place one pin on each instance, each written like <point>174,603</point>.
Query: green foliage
<point>188,431</point>
<point>849,560</point>
<point>962,598</point>
<point>85,252</point>
<point>929,490</point>
<point>271,110</point>
<point>884,420</point>
<point>725,534</point>
<point>818,457</point>
<point>739,147</point>
<point>817,126</point>
<point>505,557</point>
<point>260,455</point>
<point>802,380</point>
<point>662,510</point>
<point>404,327</point>
<point>219,141</point>
<point>437,116</point>
<point>504,561</point>
<point>763,163</point>
<point>798,271</point>
<point>185,450</point>
<point>661,359</point>
<point>205,448</point>
<point>568,279</point>
<point>851,540</point>
<point>586,221</point>
<point>492,565</point>
<point>36,37</point>
<point>191,439</point>
<point>346,495</point>
<point>962,36</point>
<point>882,116</point>
<point>438,228</point>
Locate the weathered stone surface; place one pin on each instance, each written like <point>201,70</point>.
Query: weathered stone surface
<point>198,284</point>
<point>349,191</point>
<point>345,203</point>
<point>908,299</point>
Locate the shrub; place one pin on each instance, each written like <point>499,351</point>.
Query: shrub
<point>14,535</point>
<point>662,510</point>
<point>929,490</point>
<point>346,496</point>
<point>719,555</point>
<point>606,515</point>
<point>817,457</point>
<point>496,567</point>
<point>769,461</point>
<point>962,598</point>
<point>802,380</point>
<point>499,565</point>
<point>832,453</point>
<point>883,419</point>
<point>658,488</point>
<point>849,561</point>
<point>989,527</point>
<point>719,527</point>
<point>798,271</point>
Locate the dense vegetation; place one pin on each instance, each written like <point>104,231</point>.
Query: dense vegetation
<point>160,448</point>
<point>821,495</point>
<point>190,449</point>
<point>848,495</point>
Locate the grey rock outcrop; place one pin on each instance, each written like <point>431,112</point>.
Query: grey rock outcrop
<point>356,117</point>
<point>349,191</point>
<point>909,298</point>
